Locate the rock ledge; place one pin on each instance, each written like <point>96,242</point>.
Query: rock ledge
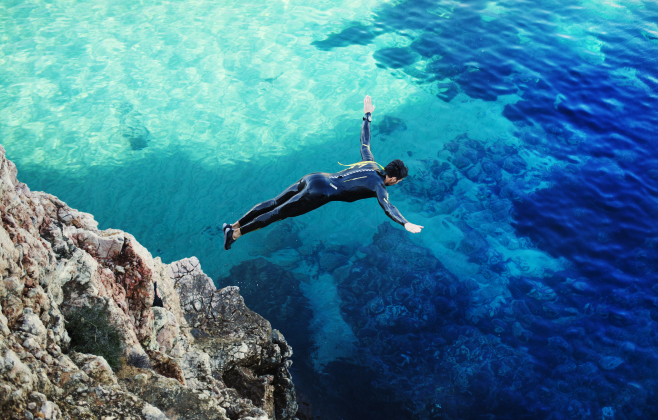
<point>203,355</point>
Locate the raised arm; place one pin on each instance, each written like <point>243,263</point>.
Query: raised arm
<point>368,108</point>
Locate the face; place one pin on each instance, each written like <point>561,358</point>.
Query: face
<point>391,181</point>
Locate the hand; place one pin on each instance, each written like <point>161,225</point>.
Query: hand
<point>367,105</point>
<point>413,228</point>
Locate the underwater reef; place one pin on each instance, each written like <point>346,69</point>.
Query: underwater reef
<point>201,355</point>
<point>530,128</point>
<point>506,331</point>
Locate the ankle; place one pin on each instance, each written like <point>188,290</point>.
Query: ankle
<point>236,234</point>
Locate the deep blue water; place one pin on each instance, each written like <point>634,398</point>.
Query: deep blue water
<point>530,130</point>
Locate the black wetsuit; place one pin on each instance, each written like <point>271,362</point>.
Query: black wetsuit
<point>362,180</point>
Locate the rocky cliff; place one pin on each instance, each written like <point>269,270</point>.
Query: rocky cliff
<point>202,355</point>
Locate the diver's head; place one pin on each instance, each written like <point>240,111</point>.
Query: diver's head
<point>395,172</point>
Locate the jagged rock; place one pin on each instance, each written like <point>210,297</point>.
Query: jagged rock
<point>166,366</point>
<point>233,336</point>
<point>258,389</point>
<point>329,261</point>
<point>173,398</point>
<point>181,360</point>
<point>95,367</point>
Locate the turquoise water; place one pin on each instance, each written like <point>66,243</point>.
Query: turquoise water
<point>222,91</point>
<point>529,131</point>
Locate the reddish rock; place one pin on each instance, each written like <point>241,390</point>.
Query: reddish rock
<point>53,259</point>
<point>166,366</point>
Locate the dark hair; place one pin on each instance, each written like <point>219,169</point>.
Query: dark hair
<point>396,169</point>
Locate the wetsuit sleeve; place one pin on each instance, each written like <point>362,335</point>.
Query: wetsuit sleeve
<point>391,211</point>
<point>366,154</point>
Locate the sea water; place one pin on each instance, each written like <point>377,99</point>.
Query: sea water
<point>530,132</point>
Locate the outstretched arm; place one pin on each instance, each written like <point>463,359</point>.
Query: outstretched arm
<point>393,212</point>
<point>368,108</point>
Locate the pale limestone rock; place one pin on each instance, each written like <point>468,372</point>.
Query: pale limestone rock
<point>103,245</point>
<point>152,413</point>
<point>4,329</point>
<point>54,258</point>
<point>31,344</point>
<point>196,366</point>
<point>76,218</point>
<point>193,286</point>
<point>33,326</point>
<point>96,367</point>
<point>141,378</point>
<point>13,285</point>
<point>51,411</point>
<point>166,333</point>
<point>12,366</point>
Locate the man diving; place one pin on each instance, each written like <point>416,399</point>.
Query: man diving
<point>365,179</point>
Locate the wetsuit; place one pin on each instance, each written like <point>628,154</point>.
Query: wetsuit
<point>362,180</point>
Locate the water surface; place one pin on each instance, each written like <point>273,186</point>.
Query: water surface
<point>529,128</point>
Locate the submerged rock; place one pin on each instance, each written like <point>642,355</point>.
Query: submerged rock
<point>132,128</point>
<point>390,124</point>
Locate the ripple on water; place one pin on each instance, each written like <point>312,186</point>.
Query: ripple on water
<point>529,130</point>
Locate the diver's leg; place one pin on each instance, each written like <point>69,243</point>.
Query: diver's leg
<point>300,203</point>
<point>269,205</point>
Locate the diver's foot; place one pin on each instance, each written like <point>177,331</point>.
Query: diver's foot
<point>225,226</point>
<point>228,238</point>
